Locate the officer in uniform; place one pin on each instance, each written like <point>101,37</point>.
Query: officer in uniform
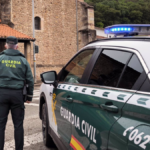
<point>14,73</point>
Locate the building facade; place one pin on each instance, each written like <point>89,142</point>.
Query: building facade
<point>100,34</point>
<point>59,31</point>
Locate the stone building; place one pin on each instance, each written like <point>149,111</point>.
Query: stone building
<point>59,32</point>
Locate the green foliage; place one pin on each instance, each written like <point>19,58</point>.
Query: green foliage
<point>109,12</point>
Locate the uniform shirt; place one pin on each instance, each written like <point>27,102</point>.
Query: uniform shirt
<point>15,71</point>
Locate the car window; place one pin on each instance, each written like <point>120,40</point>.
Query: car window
<point>146,86</point>
<point>75,69</point>
<point>109,67</point>
<point>131,74</point>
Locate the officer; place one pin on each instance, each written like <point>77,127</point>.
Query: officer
<point>14,72</point>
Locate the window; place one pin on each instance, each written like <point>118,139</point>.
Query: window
<point>75,69</point>
<point>109,67</point>
<point>146,86</point>
<point>131,74</point>
<point>37,23</point>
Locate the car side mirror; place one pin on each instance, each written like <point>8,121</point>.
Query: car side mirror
<point>49,77</point>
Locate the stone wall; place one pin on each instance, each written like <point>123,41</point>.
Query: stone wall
<point>21,17</point>
<point>87,32</point>
<point>5,14</point>
<point>57,39</point>
<point>82,25</point>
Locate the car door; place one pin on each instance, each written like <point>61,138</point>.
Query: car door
<point>63,95</point>
<point>132,130</point>
<point>98,104</point>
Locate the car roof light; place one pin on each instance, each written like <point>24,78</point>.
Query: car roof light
<point>128,29</point>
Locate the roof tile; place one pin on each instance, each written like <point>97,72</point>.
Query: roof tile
<point>6,31</point>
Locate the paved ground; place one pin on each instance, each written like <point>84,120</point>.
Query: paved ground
<point>32,127</point>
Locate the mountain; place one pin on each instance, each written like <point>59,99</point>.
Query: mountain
<point>109,12</point>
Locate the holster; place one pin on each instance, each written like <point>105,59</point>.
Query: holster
<point>25,88</point>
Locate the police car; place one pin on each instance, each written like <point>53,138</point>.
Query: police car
<point>100,100</point>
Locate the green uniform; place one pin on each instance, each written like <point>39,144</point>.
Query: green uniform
<point>15,71</point>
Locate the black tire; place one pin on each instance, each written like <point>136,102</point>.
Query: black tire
<point>48,141</point>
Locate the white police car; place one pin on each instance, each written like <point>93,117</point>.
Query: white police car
<point>101,99</point>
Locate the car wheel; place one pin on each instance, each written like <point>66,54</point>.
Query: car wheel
<point>46,137</point>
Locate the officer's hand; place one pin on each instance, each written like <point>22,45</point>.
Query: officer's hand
<point>28,101</point>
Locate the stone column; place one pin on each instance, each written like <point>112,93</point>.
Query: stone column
<point>27,51</point>
<point>91,26</point>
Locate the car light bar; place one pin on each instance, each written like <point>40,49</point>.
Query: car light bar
<point>128,29</point>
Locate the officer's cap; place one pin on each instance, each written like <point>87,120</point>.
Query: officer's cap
<point>11,40</point>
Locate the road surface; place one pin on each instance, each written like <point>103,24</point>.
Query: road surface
<point>32,127</point>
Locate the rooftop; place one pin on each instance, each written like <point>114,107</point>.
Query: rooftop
<point>6,31</point>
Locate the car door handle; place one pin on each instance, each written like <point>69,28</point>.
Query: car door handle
<point>69,99</point>
<point>111,108</point>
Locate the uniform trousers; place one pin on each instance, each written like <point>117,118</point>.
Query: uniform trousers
<point>11,99</point>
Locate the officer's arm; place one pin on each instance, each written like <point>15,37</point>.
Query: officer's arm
<point>30,82</point>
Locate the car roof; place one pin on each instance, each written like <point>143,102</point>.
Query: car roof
<point>141,44</point>
<point>130,38</point>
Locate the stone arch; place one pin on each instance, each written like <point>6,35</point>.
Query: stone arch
<point>37,21</point>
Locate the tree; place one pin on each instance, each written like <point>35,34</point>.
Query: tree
<point>109,12</point>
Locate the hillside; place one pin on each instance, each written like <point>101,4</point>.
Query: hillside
<point>108,12</point>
